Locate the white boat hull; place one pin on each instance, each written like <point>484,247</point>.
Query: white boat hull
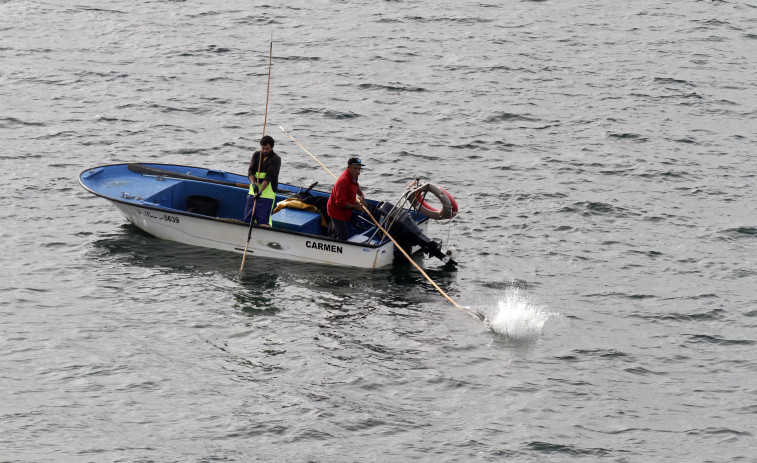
<point>264,242</point>
<point>205,207</point>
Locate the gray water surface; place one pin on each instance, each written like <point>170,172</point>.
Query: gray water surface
<point>603,157</point>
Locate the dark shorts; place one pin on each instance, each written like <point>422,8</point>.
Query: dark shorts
<point>262,210</point>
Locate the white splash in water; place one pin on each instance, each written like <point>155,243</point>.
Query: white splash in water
<point>517,317</point>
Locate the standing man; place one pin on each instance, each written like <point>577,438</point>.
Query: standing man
<point>343,198</point>
<point>263,183</point>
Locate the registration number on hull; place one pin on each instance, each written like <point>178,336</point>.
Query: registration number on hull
<point>163,217</point>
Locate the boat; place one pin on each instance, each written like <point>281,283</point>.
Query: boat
<point>204,207</point>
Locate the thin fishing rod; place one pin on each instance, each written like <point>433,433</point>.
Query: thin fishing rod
<point>308,152</point>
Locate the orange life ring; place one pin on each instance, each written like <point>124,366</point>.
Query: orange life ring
<point>449,205</point>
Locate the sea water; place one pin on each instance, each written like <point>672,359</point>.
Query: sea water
<point>602,157</point>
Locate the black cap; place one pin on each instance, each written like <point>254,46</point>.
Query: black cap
<point>354,161</point>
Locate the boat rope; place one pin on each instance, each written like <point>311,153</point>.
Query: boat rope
<point>394,214</point>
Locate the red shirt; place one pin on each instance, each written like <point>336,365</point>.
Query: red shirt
<point>343,193</point>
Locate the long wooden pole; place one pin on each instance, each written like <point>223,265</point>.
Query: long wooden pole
<point>268,86</point>
<point>308,152</point>
<point>465,309</point>
<point>260,158</point>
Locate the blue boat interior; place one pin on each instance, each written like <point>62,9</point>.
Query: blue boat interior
<point>217,200</point>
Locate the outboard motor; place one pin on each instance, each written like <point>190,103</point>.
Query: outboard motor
<point>407,233</point>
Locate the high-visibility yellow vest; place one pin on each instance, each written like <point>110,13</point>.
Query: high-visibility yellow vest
<point>268,192</point>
